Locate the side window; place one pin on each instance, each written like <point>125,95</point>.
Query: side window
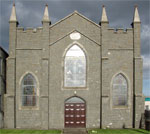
<point>120,91</point>
<point>75,67</point>
<point>29,90</point>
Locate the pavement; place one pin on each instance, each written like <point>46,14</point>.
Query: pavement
<point>74,131</point>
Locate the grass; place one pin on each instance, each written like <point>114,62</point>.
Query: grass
<point>118,131</point>
<point>19,131</point>
<point>95,131</point>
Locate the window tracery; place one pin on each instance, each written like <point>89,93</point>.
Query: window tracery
<point>75,67</point>
<point>120,91</point>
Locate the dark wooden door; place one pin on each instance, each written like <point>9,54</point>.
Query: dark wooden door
<point>75,115</point>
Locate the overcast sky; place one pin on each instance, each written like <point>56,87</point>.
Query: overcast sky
<point>119,12</point>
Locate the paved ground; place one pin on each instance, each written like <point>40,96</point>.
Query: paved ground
<point>74,131</point>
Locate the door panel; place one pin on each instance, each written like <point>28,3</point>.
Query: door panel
<point>75,115</point>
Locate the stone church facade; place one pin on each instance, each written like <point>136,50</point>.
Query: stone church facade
<point>74,73</point>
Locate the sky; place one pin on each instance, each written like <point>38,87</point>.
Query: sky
<point>119,12</point>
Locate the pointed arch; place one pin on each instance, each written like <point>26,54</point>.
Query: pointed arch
<point>75,67</point>
<point>119,90</point>
<point>29,90</point>
<point>75,99</point>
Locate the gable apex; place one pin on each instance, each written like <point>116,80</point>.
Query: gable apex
<point>72,14</point>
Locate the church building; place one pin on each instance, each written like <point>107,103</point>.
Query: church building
<point>74,74</point>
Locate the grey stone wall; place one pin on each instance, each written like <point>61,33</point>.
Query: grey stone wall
<point>117,55</point>
<point>91,94</point>
<point>31,61</point>
<point>9,98</point>
<point>138,77</point>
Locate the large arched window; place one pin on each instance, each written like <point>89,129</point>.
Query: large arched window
<point>29,90</point>
<point>75,67</point>
<point>120,91</point>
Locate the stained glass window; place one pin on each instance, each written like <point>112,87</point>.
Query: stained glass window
<point>75,68</point>
<point>29,93</point>
<point>120,91</point>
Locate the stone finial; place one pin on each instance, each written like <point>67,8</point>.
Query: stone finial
<point>46,15</point>
<point>136,15</point>
<point>104,15</point>
<point>13,17</point>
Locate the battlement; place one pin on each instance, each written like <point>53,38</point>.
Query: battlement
<point>29,29</point>
<point>120,30</point>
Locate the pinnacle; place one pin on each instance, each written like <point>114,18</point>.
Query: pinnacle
<point>136,6</point>
<point>46,15</point>
<point>13,17</point>
<point>104,15</point>
<point>136,15</point>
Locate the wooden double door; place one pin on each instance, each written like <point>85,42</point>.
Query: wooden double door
<point>75,115</point>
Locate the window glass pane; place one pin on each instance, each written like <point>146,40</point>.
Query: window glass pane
<point>29,100</point>
<point>29,91</point>
<point>120,90</point>
<point>75,67</point>
<point>28,80</point>
<point>75,100</point>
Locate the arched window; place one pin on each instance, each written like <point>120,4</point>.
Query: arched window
<point>29,90</point>
<point>75,68</point>
<point>120,91</point>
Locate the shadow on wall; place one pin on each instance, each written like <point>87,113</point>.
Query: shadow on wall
<point>1,119</point>
<point>142,121</point>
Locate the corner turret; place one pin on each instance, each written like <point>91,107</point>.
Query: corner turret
<point>46,33</point>
<point>137,91</point>
<point>13,24</point>
<point>136,24</point>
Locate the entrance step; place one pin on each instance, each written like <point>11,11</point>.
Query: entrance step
<point>75,131</point>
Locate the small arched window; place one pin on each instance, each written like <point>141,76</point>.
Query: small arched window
<point>75,67</point>
<point>120,91</point>
<point>29,90</point>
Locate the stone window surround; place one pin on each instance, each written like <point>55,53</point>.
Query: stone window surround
<point>128,93</point>
<point>63,67</point>
<point>20,93</point>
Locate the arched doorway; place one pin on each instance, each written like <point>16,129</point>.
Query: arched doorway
<point>75,113</point>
